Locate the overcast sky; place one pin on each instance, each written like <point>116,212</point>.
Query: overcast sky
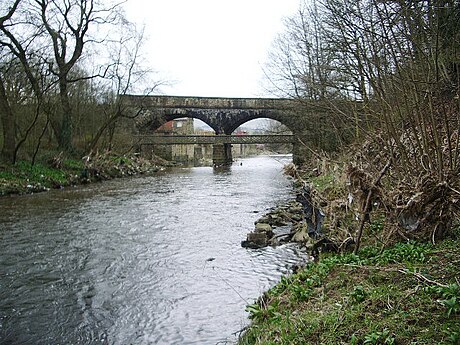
<point>210,47</point>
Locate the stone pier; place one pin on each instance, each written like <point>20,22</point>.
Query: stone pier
<point>222,154</point>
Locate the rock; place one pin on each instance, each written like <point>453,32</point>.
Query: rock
<point>263,219</point>
<point>278,219</point>
<point>296,208</point>
<point>274,242</point>
<point>295,217</point>
<point>255,240</point>
<point>260,237</point>
<point>250,245</point>
<point>300,233</point>
<point>263,227</point>
<point>291,212</point>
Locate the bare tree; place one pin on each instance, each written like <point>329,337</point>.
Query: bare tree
<point>7,118</point>
<point>56,31</point>
<point>67,24</point>
<point>125,73</point>
<point>392,69</point>
<point>298,66</point>
<point>6,113</point>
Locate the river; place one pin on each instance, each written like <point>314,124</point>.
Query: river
<point>146,260</point>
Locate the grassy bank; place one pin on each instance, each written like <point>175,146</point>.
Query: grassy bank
<point>59,172</point>
<point>406,294</point>
<point>397,289</point>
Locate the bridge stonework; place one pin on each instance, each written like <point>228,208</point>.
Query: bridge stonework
<point>223,115</point>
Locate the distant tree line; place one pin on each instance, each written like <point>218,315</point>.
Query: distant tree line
<point>63,64</point>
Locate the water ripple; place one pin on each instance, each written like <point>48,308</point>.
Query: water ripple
<point>151,260</point>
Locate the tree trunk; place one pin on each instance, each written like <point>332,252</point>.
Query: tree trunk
<point>7,116</point>
<point>101,130</point>
<point>65,137</point>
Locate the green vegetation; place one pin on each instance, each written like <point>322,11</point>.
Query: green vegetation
<point>324,182</point>
<point>25,177</point>
<point>405,294</point>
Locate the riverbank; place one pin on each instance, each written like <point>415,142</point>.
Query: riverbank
<point>395,288</point>
<point>60,172</point>
<point>405,294</point>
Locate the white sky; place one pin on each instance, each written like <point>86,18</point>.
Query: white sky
<point>213,48</point>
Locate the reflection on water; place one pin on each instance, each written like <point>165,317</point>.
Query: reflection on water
<point>151,260</point>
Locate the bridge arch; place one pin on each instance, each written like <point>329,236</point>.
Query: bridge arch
<point>150,120</point>
<point>222,121</point>
<point>250,117</point>
<point>263,126</point>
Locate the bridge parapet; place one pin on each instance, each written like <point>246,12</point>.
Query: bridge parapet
<point>167,102</point>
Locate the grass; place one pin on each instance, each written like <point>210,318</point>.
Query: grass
<point>326,183</point>
<point>24,177</point>
<point>406,294</point>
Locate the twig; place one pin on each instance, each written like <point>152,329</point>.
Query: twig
<point>240,331</point>
<point>422,277</point>
<point>452,189</point>
<point>228,284</point>
<point>400,270</point>
<point>315,153</point>
<point>378,268</point>
<point>368,204</point>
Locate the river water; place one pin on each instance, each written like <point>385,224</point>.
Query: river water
<point>147,260</point>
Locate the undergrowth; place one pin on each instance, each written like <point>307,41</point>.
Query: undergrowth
<point>59,171</point>
<point>25,177</point>
<point>406,294</point>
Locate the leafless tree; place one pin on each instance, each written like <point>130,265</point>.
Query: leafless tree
<point>56,32</point>
<point>6,113</point>
<point>125,73</point>
<point>69,49</point>
<point>299,61</point>
<point>67,24</point>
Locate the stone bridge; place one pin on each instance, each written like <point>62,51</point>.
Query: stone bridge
<point>223,115</point>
